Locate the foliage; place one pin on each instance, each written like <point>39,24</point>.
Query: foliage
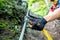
<point>38,7</point>
<point>12,13</point>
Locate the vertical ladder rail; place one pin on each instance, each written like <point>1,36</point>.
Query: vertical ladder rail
<point>24,27</point>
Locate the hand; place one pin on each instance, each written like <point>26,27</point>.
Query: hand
<point>38,24</point>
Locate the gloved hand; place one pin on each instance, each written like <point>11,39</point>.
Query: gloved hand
<point>38,24</point>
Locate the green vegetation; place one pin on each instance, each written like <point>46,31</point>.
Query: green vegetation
<point>12,13</point>
<point>38,7</point>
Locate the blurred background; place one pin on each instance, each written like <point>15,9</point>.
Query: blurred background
<point>12,13</point>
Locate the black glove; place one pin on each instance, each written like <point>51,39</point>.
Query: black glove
<point>38,24</point>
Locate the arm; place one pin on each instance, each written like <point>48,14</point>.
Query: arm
<point>53,15</point>
<point>40,23</point>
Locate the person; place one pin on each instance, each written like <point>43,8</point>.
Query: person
<point>40,23</point>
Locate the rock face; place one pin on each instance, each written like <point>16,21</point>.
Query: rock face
<point>52,27</point>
